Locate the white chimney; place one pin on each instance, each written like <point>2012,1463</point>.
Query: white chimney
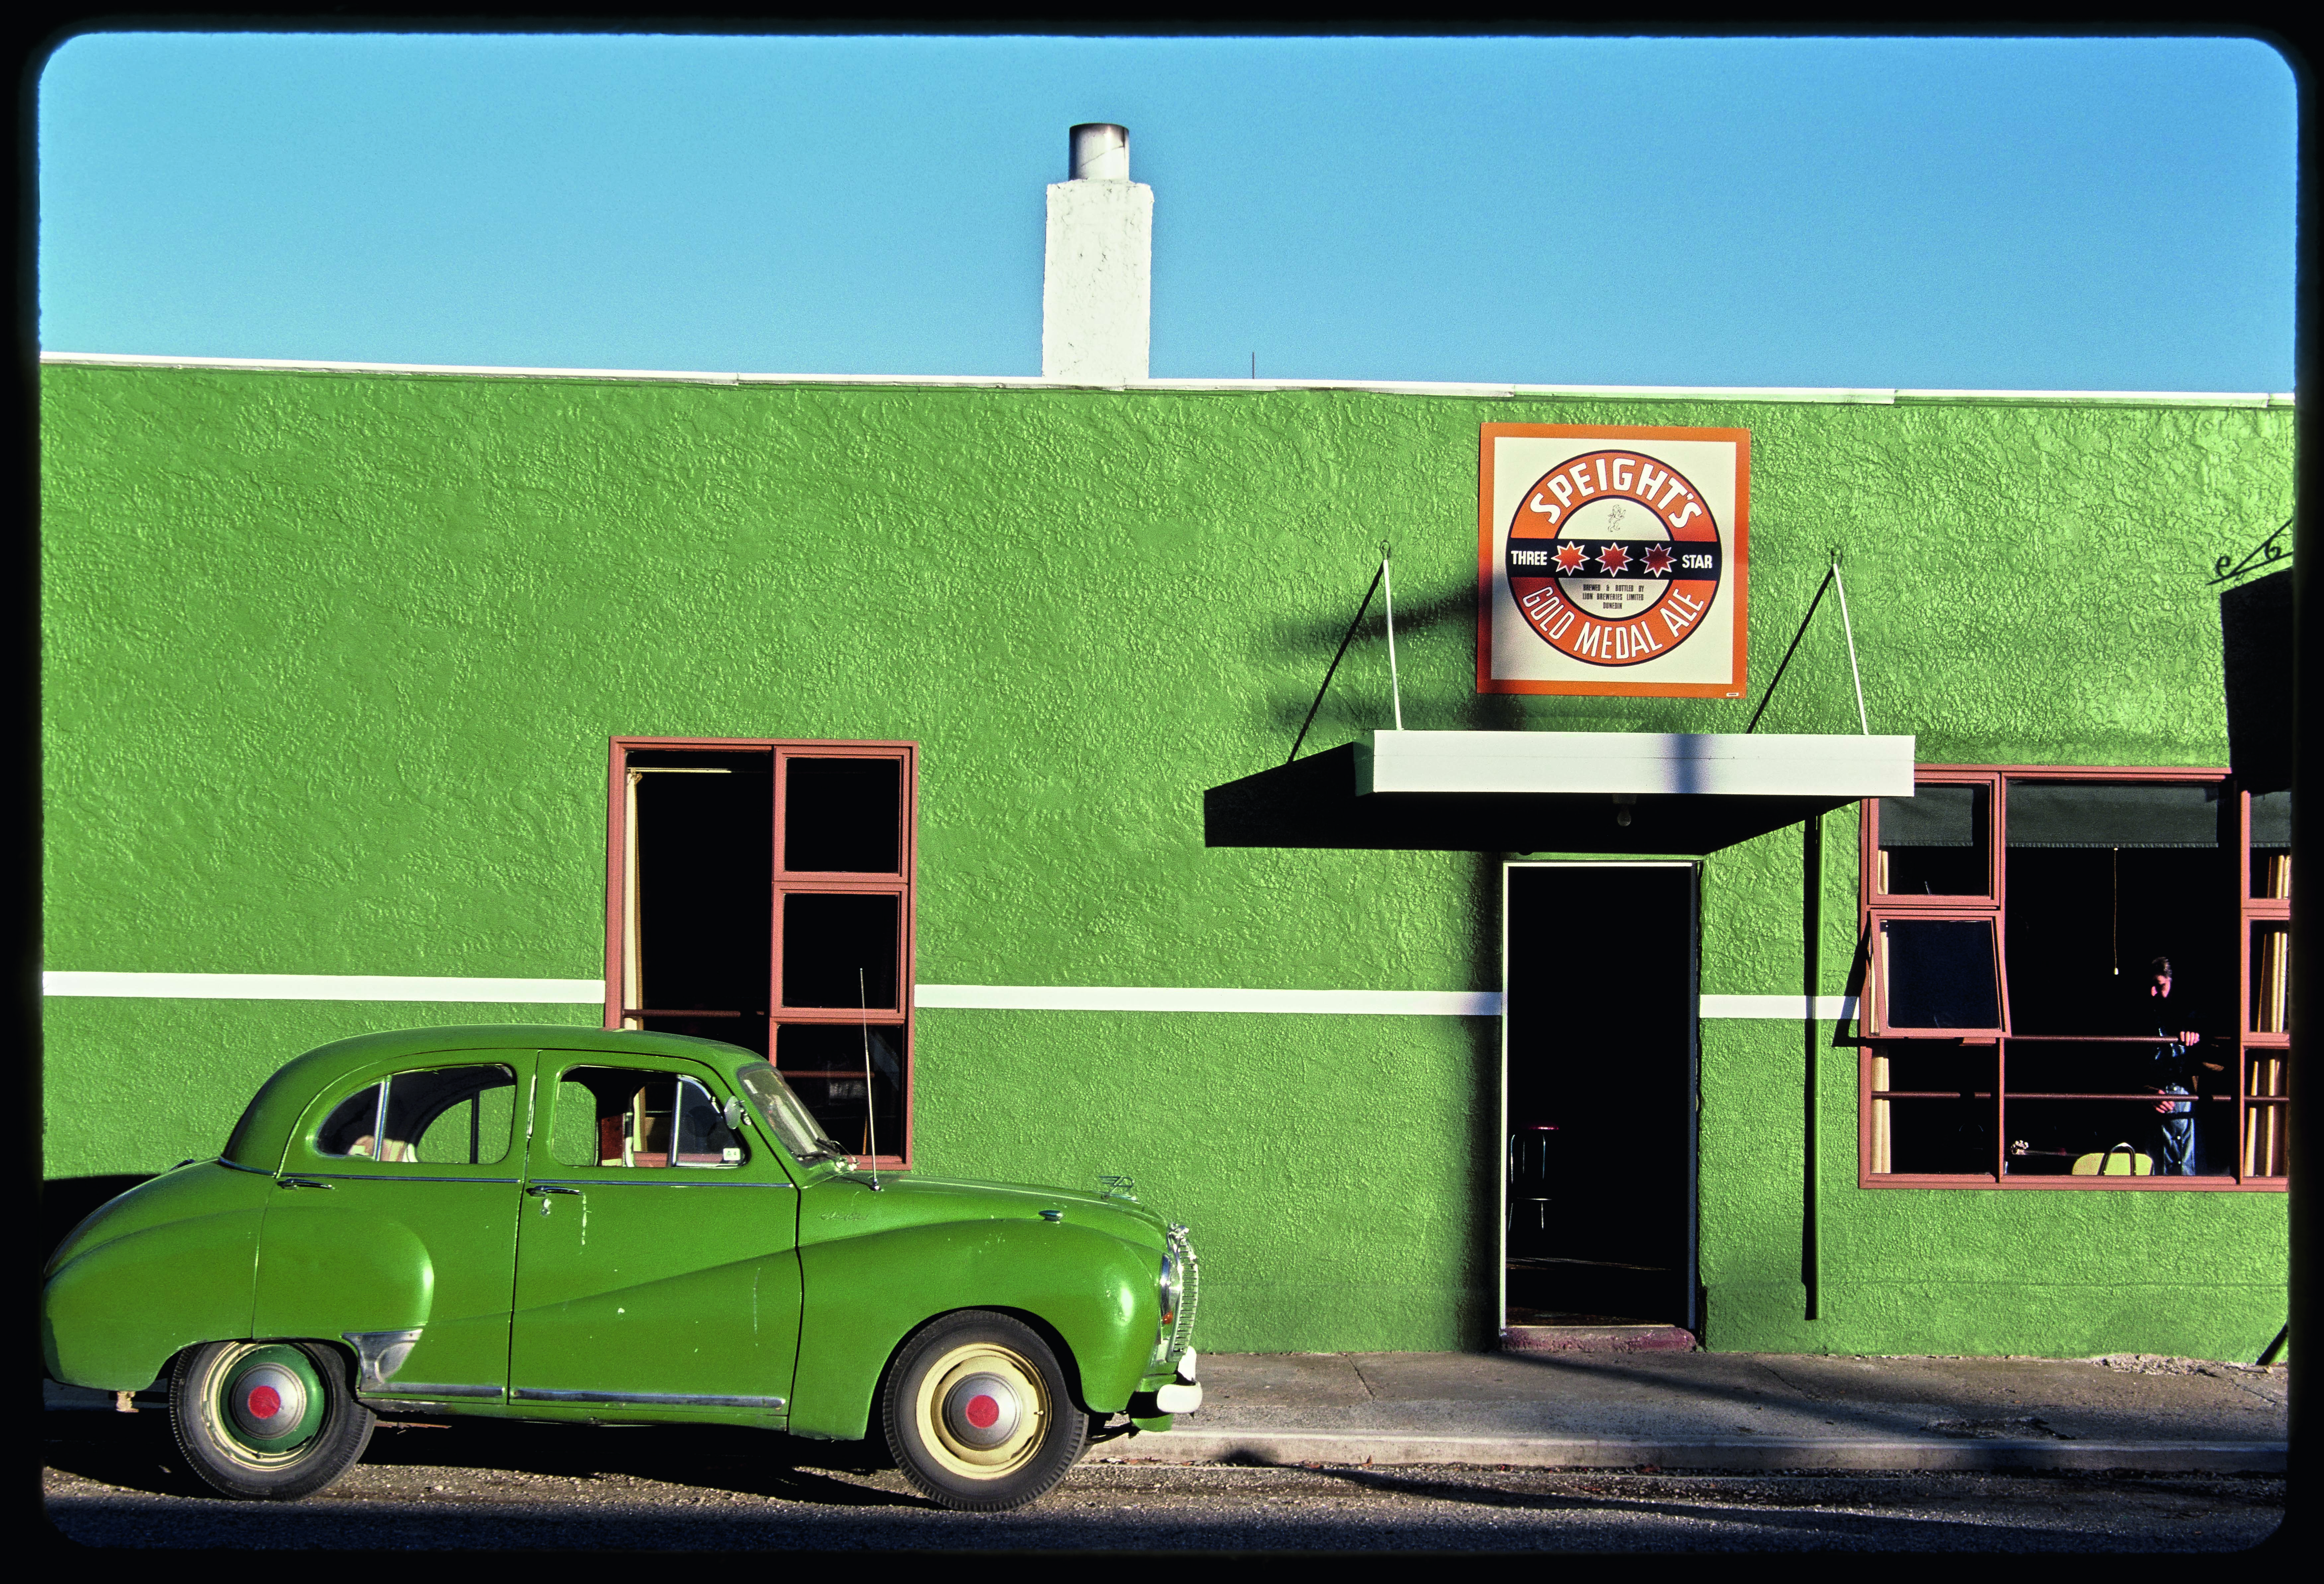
<point>1097,275</point>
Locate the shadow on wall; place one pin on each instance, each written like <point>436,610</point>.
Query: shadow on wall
<point>2255,644</point>
<point>1490,1141</point>
<point>1359,692</point>
<point>66,1201</point>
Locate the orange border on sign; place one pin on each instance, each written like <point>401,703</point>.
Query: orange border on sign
<point>1738,557</point>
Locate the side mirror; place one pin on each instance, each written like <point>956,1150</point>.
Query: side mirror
<point>733,1113</point>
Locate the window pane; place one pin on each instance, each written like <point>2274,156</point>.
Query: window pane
<point>2086,924</point>
<point>2270,842</point>
<point>1948,1137</point>
<point>2270,1072</point>
<point>451,1116</point>
<point>1962,1071</point>
<point>2271,979</point>
<point>828,940</point>
<point>1940,973</point>
<point>2164,1137</point>
<point>2118,1069</point>
<point>842,815</point>
<point>824,1063</point>
<point>1937,842</point>
<point>2267,1136</point>
<point>1949,1129</point>
<point>353,1126</point>
<point>2077,813</point>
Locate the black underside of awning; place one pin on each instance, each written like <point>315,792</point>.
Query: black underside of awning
<point>1313,803</point>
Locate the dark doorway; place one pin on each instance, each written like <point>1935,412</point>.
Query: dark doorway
<point>702,932</point>
<point>1599,967</point>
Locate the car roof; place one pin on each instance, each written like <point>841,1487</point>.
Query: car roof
<point>263,1133</point>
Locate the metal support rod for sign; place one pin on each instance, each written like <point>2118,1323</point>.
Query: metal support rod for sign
<point>1334,665</point>
<point>1849,628</point>
<point>1387,591</point>
<point>1788,653</point>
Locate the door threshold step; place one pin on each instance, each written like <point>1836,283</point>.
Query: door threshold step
<point>1597,1339</point>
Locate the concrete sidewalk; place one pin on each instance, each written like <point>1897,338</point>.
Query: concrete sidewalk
<point>1743,1412</point>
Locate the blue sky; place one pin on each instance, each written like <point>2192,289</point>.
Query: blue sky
<point>2051,214</point>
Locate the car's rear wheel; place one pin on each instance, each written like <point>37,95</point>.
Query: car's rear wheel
<point>979,1414</point>
<point>268,1420</point>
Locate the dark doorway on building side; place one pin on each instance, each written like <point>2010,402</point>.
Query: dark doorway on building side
<point>1599,1073</point>
<point>701,934</point>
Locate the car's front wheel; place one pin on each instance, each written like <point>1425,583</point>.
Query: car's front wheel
<point>269,1420</point>
<point>978,1413</point>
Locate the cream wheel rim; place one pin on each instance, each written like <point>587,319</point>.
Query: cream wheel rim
<point>982,1411</point>
<point>227,1433</point>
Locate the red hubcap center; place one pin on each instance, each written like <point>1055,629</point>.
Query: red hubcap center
<point>266,1403</point>
<point>983,1411</point>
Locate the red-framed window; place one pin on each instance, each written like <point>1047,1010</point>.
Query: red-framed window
<point>759,891</point>
<point>2014,1032</point>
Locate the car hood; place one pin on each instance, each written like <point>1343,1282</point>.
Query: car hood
<point>966,1198</point>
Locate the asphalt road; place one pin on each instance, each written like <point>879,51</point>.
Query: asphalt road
<point>117,1480</point>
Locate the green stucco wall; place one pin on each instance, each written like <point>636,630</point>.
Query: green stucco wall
<point>331,660</point>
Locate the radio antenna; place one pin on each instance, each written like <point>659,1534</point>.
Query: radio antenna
<point>871,1123</point>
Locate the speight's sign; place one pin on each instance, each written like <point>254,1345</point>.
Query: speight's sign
<point>1611,560</point>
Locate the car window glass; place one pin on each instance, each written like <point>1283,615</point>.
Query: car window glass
<point>450,1116</point>
<point>703,1138</point>
<point>431,1116</point>
<point>639,1120</point>
<point>353,1126</point>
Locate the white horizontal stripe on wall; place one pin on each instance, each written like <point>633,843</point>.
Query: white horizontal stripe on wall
<point>1174,999</point>
<point>1013,998</point>
<point>1827,1007</point>
<point>327,986</point>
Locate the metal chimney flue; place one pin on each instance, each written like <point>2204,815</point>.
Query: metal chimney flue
<point>1101,152</point>
<point>1097,271</point>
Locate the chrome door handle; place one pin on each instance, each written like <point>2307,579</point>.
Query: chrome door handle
<point>541,1190</point>
<point>306,1182</point>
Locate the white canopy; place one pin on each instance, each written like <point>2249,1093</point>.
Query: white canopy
<point>1650,763</point>
<point>1553,791</point>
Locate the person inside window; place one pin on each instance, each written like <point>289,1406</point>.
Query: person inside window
<point>2174,1069</point>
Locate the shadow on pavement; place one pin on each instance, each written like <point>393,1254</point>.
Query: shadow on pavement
<point>136,1452</point>
<point>1826,1508</point>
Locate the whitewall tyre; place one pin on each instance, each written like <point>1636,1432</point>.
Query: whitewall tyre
<point>978,1413</point>
<point>268,1421</point>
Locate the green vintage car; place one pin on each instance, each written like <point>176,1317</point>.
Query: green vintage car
<point>611,1228</point>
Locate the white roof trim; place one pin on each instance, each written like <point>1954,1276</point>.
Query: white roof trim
<point>1870,397</point>
<point>1656,763</point>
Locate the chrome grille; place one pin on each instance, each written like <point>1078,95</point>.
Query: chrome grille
<point>1182,1328</point>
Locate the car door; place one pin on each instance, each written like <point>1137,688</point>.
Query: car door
<point>393,1223</point>
<point>658,1248</point>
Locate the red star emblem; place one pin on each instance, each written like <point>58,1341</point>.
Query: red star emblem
<point>1613,558</point>
<point>1658,560</point>
<point>1569,557</point>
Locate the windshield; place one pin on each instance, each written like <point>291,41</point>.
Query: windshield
<point>785,1116</point>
